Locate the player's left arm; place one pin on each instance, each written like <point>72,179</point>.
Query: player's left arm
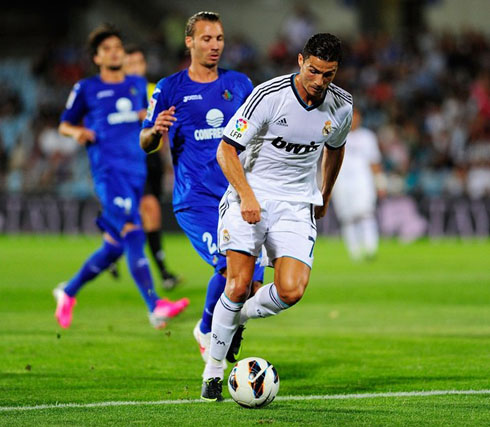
<point>375,162</point>
<point>380,179</point>
<point>331,164</point>
<point>333,155</point>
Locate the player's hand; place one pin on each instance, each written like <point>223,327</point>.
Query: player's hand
<point>164,120</point>
<point>84,136</point>
<point>320,211</point>
<point>250,209</point>
<point>382,194</point>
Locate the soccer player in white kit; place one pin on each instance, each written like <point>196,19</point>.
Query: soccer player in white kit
<point>354,195</point>
<point>282,130</point>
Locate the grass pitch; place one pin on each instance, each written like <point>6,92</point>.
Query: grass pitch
<point>417,318</point>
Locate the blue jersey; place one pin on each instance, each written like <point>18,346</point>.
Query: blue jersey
<point>111,111</point>
<point>202,111</point>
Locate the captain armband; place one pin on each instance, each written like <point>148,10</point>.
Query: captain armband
<point>154,145</point>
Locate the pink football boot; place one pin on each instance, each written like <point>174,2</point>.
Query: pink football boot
<point>166,309</point>
<point>64,306</point>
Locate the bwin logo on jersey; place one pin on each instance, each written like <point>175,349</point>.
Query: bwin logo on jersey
<point>123,203</point>
<point>295,148</point>
<point>125,113</point>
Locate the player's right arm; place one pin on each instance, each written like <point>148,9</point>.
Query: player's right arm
<point>232,169</point>
<point>152,138</point>
<point>75,110</point>
<point>238,133</point>
<point>81,134</point>
<point>160,116</point>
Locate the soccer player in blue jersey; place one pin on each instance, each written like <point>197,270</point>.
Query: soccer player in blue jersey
<point>190,109</point>
<point>103,113</point>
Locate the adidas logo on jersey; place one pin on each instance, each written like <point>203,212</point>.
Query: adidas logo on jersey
<point>295,148</point>
<point>282,122</point>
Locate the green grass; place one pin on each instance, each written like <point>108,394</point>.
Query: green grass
<point>418,318</point>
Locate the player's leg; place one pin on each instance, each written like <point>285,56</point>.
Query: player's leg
<point>217,282</point>
<point>65,293</point>
<point>109,252</point>
<point>199,225</point>
<point>290,280</point>
<point>226,318</point>
<point>290,243</point>
<point>151,214</point>
<point>235,348</point>
<point>121,218</point>
<point>160,309</point>
<point>352,235</point>
<point>215,288</point>
<point>370,236</point>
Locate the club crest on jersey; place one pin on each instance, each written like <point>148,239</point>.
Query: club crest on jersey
<point>133,91</point>
<point>227,95</point>
<point>226,235</point>
<point>327,128</point>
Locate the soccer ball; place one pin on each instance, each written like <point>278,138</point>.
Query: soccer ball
<point>253,382</point>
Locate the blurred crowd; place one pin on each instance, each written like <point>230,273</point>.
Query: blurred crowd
<point>426,95</point>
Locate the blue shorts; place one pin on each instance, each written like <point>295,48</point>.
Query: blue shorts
<point>119,195</point>
<point>200,224</point>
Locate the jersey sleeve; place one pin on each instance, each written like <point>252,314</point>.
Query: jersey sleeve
<point>144,93</point>
<point>76,105</point>
<point>337,139</point>
<point>248,87</point>
<point>247,121</point>
<point>158,103</point>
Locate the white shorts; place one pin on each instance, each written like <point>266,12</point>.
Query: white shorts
<point>286,229</point>
<point>353,200</point>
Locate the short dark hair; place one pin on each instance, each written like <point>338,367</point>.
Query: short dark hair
<point>200,16</point>
<point>99,34</point>
<point>134,48</point>
<point>325,46</point>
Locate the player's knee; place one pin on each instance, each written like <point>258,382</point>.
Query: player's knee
<point>291,297</point>
<point>291,291</point>
<point>238,287</point>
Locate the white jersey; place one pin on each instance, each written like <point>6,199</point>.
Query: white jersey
<point>283,138</point>
<point>354,193</point>
<point>360,153</point>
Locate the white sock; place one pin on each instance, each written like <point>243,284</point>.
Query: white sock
<point>213,369</point>
<point>370,235</point>
<point>225,322</point>
<point>351,236</point>
<point>264,303</point>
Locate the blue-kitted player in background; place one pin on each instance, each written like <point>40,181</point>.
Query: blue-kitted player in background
<point>190,109</point>
<point>103,113</point>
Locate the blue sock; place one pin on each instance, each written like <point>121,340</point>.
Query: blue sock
<point>216,287</point>
<point>134,242</point>
<point>98,262</point>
